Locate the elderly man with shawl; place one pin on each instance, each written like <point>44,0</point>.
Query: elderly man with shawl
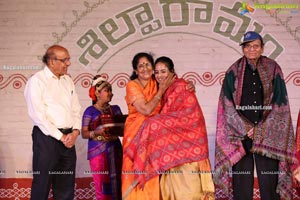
<point>254,127</point>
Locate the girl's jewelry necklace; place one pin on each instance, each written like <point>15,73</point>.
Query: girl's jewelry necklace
<point>101,108</point>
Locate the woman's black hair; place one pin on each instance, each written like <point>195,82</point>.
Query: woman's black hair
<point>167,61</point>
<point>135,62</point>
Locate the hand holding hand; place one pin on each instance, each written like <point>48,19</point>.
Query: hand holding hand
<point>70,139</point>
<point>190,86</point>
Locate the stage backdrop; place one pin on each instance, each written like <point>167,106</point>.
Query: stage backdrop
<point>102,36</point>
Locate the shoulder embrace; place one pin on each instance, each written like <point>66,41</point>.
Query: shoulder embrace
<point>180,82</point>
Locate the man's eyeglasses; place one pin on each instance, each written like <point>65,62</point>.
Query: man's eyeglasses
<point>255,46</point>
<point>64,60</point>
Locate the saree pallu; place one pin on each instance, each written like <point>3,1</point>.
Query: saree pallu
<point>133,122</point>
<point>105,157</point>
<point>172,138</point>
<point>272,137</point>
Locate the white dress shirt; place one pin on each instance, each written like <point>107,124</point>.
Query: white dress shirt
<point>52,103</point>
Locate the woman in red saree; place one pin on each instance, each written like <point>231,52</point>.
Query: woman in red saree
<point>143,99</point>
<point>173,145</point>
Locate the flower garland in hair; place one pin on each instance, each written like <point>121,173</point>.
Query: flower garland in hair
<point>93,87</point>
<point>94,82</point>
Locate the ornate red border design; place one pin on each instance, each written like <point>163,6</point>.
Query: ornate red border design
<point>207,79</point>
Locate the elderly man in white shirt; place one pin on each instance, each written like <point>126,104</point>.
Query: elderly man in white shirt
<point>54,109</point>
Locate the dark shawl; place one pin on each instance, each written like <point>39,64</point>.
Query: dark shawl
<point>273,135</point>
